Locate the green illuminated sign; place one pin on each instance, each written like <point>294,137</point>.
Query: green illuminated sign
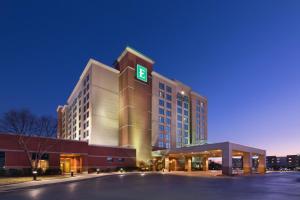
<point>141,73</point>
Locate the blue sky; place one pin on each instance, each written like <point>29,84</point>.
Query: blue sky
<point>243,55</point>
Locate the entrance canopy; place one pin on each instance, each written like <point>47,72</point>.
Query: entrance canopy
<point>226,150</point>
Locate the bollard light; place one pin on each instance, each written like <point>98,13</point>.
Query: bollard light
<point>98,171</point>
<point>34,175</point>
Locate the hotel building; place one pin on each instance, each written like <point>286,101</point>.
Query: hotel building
<point>131,105</point>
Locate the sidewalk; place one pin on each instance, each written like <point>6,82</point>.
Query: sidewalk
<point>33,184</point>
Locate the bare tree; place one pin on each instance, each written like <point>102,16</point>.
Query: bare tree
<point>27,126</point>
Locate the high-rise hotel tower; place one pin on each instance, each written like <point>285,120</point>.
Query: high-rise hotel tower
<point>131,105</point>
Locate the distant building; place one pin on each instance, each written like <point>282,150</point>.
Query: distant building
<point>281,162</point>
<point>293,161</point>
<point>272,162</point>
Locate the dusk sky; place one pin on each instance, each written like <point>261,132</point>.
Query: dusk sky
<point>244,56</point>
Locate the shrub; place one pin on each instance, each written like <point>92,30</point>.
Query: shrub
<point>26,172</point>
<point>53,171</point>
<point>2,172</point>
<point>15,172</point>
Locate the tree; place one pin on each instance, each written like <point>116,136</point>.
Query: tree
<point>28,126</point>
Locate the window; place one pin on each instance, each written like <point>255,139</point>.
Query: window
<point>186,120</point>
<point>179,125</point>
<point>161,119</point>
<point>179,117</point>
<point>169,89</point>
<point>169,97</point>
<point>161,136</point>
<point>168,113</point>
<point>168,129</point>
<point>121,159</point>
<point>186,127</point>
<point>161,102</point>
<point>186,113</point>
<point>169,105</point>
<point>161,144</point>
<point>167,137</point>
<point>168,145</point>
<point>161,94</point>
<point>168,120</point>
<point>161,86</point>
<point>109,159</point>
<point>179,110</point>
<point>161,111</point>
<point>2,159</point>
<point>161,128</point>
<point>179,103</point>
<point>186,106</point>
<point>186,141</point>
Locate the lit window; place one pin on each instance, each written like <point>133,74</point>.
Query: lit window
<point>109,159</point>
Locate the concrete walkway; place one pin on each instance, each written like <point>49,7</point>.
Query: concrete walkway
<point>33,184</point>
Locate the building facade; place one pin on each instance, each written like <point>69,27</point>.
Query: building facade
<point>68,155</point>
<point>131,105</point>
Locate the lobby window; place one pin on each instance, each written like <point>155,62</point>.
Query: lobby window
<point>161,86</point>
<point>169,89</point>
<point>2,159</point>
<point>161,111</point>
<point>109,159</point>
<point>161,102</point>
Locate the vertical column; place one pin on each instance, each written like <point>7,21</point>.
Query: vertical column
<point>175,164</point>
<point>247,162</point>
<point>227,160</point>
<point>261,164</point>
<point>188,164</point>
<point>167,164</point>
<point>205,163</point>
